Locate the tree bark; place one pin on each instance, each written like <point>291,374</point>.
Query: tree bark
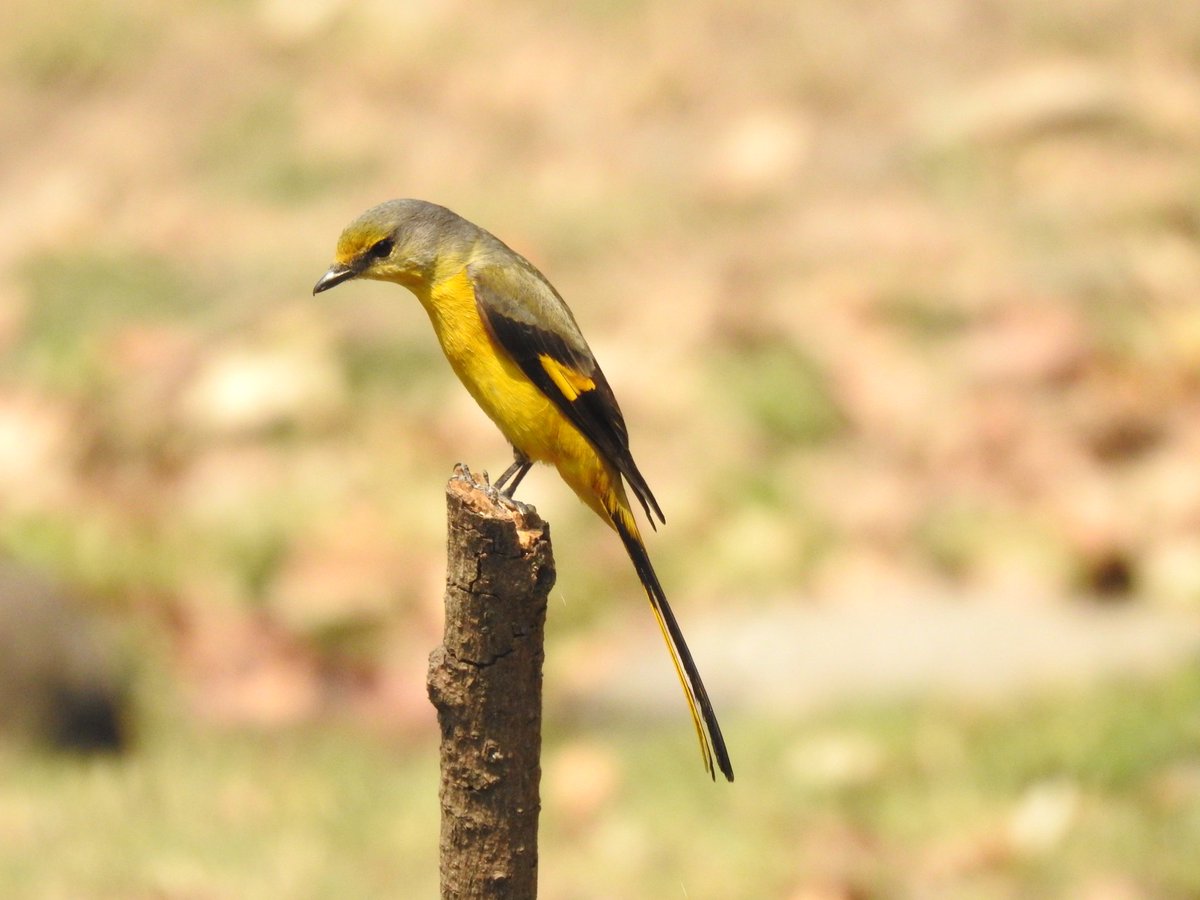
<point>486,683</point>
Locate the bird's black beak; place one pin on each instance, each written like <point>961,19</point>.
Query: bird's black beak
<point>335,276</point>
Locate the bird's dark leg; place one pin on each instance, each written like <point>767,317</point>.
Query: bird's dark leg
<point>518,470</point>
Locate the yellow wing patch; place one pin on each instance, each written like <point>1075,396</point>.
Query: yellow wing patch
<point>566,379</point>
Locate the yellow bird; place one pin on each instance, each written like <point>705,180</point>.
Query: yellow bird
<point>513,342</point>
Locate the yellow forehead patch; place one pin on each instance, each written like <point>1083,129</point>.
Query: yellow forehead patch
<point>355,240</point>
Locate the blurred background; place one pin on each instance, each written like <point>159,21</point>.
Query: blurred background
<point>900,302</point>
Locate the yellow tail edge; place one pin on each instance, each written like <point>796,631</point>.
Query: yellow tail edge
<point>713,752</point>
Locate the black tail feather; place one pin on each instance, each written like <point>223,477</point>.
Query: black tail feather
<point>641,490</point>
<point>712,742</point>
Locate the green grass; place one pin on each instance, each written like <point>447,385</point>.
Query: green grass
<point>961,534</point>
<point>317,814</point>
<point>110,557</point>
<point>923,318</point>
<point>336,812</point>
<point>783,392</point>
<point>256,151</point>
<point>80,44</point>
<point>79,299</point>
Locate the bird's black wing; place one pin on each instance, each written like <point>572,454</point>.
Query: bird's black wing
<point>527,318</point>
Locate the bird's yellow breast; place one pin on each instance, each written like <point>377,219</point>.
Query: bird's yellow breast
<point>527,417</point>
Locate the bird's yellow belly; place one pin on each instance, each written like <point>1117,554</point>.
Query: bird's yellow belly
<point>528,419</point>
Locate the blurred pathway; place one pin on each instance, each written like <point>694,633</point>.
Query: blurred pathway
<point>803,658</point>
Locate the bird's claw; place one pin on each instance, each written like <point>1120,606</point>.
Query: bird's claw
<point>497,496</point>
<point>500,498</point>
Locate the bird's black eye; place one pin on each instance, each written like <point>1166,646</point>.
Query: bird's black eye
<point>381,248</point>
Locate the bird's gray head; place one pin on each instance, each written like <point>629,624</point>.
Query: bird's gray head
<point>403,241</point>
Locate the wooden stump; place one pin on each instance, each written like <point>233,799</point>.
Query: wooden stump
<point>486,683</point>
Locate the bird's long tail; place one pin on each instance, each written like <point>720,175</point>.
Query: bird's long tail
<point>712,743</point>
